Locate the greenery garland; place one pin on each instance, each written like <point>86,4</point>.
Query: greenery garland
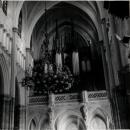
<point>57,80</point>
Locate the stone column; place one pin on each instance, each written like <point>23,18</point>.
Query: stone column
<point>10,44</point>
<point>108,52</point>
<point>4,112</point>
<point>20,117</point>
<point>13,76</point>
<point>117,53</point>
<point>4,38</point>
<point>106,76</point>
<point>116,43</point>
<point>84,97</point>
<point>51,110</point>
<point>8,40</point>
<point>83,109</point>
<point>111,72</point>
<point>1,33</point>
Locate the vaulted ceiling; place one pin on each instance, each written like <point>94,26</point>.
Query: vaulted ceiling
<point>84,15</point>
<point>64,12</point>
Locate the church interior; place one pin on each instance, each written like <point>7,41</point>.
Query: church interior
<point>64,65</point>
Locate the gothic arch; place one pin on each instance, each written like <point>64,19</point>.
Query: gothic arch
<point>90,11</point>
<point>97,123</point>
<point>33,121</point>
<point>100,112</point>
<point>5,75</point>
<point>77,27</point>
<point>17,5</point>
<point>100,9</point>
<point>32,125</point>
<point>98,115</point>
<point>68,118</point>
<point>82,7</point>
<point>96,6</point>
<point>16,105</point>
<point>44,122</point>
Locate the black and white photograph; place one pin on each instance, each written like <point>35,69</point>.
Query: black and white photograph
<point>64,65</point>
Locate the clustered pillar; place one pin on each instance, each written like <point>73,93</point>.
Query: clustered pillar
<point>112,82</point>
<point>13,76</point>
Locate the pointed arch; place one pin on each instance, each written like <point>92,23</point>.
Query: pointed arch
<point>33,123</point>
<point>99,116</point>
<point>97,6</point>
<point>69,117</point>
<point>88,11</point>
<point>44,122</point>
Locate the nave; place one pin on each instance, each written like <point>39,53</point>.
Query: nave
<point>64,65</point>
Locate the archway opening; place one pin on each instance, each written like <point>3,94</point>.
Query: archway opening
<point>86,42</point>
<point>45,124</point>
<point>98,123</point>
<point>70,122</point>
<point>32,125</point>
<point>85,31</point>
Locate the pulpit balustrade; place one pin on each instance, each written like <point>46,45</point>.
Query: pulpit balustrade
<point>65,98</point>
<point>61,108</point>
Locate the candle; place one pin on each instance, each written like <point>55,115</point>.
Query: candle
<point>45,69</point>
<point>50,68</point>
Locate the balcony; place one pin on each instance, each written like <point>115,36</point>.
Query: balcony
<point>66,98</point>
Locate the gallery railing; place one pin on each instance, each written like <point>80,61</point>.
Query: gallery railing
<point>66,98</point>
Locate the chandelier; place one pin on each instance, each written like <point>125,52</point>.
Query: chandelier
<point>48,76</point>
